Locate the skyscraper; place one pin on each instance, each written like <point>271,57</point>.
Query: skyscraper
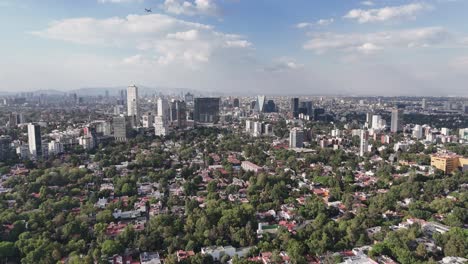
<point>364,146</point>
<point>235,102</point>
<point>206,110</point>
<point>122,128</point>
<point>424,103</point>
<point>397,121</point>
<point>417,131</point>
<point>132,104</point>
<point>295,107</point>
<point>161,119</point>
<point>179,113</point>
<point>296,138</point>
<point>189,98</point>
<point>369,120</point>
<point>34,140</point>
<point>376,121</point>
<point>148,120</point>
<point>5,147</point>
<point>260,104</point>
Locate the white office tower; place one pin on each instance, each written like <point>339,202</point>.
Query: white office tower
<point>445,131</point>
<point>148,120</point>
<point>248,126</point>
<point>397,121</point>
<point>160,126</point>
<point>364,146</point>
<point>296,138</point>
<point>257,129</point>
<point>376,119</point>
<point>163,108</point>
<point>55,147</point>
<point>417,132</point>
<point>132,104</point>
<point>424,103</point>
<point>34,140</point>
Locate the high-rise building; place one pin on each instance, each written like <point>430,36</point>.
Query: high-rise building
<point>295,107</point>
<point>424,103</point>
<point>206,110</point>
<point>189,98</point>
<point>397,121</point>
<point>34,140</point>
<point>308,106</point>
<point>463,132</point>
<point>122,128</point>
<point>236,102</point>
<point>257,129</point>
<point>5,147</point>
<point>376,121</point>
<point>180,114</point>
<point>369,120</point>
<point>364,145</point>
<point>12,120</point>
<point>148,120</point>
<point>417,132</point>
<point>55,147</point>
<point>160,126</point>
<point>296,138</point>
<point>162,108</point>
<point>270,107</point>
<point>260,104</point>
<point>133,104</point>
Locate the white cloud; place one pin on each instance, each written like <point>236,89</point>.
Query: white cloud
<point>283,64</point>
<point>367,3</point>
<point>191,8</point>
<point>368,48</point>
<point>164,38</point>
<point>410,38</point>
<point>303,25</point>
<point>325,22</point>
<point>387,13</point>
<point>320,22</point>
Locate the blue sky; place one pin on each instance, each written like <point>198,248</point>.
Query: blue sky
<point>250,46</point>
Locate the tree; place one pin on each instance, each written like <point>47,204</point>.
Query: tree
<point>7,250</point>
<point>110,247</point>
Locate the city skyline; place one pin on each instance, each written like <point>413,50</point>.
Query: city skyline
<point>264,47</point>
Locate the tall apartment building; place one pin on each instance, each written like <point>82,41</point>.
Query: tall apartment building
<point>34,140</point>
<point>133,107</point>
<point>364,144</point>
<point>296,138</point>
<point>397,121</point>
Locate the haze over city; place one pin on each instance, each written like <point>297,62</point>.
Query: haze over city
<point>271,47</point>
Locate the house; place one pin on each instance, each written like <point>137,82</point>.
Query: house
<point>182,255</point>
<point>218,252</point>
<point>101,203</point>
<point>150,258</point>
<point>249,166</point>
<point>119,214</point>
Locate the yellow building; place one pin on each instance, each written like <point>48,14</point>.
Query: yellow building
<point>448,162</point>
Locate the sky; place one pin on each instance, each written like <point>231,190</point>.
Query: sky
<point>272,47</point>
